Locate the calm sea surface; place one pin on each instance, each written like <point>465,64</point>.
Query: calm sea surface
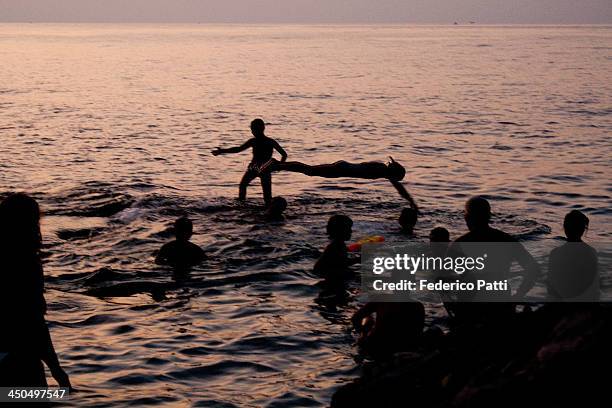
<point>110,127</point>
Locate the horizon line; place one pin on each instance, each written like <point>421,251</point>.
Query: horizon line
<point>356,23</point>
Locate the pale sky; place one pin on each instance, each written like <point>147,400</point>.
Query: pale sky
<point>310,11</point>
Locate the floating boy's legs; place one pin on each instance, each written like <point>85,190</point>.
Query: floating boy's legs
<point>248,176</point>
<point>266,187</point>
<point>333,170</point>
<point>274,165</point>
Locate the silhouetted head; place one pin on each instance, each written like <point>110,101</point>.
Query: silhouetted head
<point>277,207</point>
<point>183,229</point>
<point>575,224</point>
<point>339,227</point>
<point>439,234</point>
<point>20,223</point>
<point>477,213</point>
<point>257,127</point>
<point>396,170</point>
<point>408,219</point>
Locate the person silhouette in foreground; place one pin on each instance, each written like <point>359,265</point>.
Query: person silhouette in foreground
<point>334,263</point>
<point>181,253</point>
<point>500,258</point>
<point>392,171</point>
<point>263,148</point>
<point>389,327</point>
<point>275,210</point>
<point>25,342</point>
<point>407,220</point>
<point>439,235</point>
<point>572,268</point>
<point>439,239</point>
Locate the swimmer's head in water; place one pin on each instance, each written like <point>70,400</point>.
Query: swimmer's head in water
<point>257,127</point>
<point>396,170</point>
<point>439,234</point>
<point>408,219</point>
<point>477,213</point>
<point>575,224</point>
<point>20,222</point>
<point>340,227</point>
<point>183,229</point>
<point>277,207</point>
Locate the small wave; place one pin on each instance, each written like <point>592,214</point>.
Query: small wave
<point>220,368</point>
<point>511,123</point>
<point>126,289</point>
<point>78,234</point>
<point>93,320</point>
<point>122,329</point>
<point>86,202</point>
<point>498,146</point>
<point>128,215</point>
<point>139,379</point>
<point>101,276</point>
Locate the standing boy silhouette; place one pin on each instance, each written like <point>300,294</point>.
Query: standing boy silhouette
<point>263,148</point>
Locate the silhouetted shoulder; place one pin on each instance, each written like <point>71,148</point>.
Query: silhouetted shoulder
<point>196,253</point>
<point>181,254</point>
<point>333,259</point>
<point>167,249</point>
<point>486,235</point>
<point>577,250</point>
<point>573,272</point>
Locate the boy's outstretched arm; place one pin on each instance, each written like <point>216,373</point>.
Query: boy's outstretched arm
<point>236,149</point>
<point>404,193</point>
<point>282,151</point>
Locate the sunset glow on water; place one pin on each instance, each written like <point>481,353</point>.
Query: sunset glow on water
<point>110,127</point>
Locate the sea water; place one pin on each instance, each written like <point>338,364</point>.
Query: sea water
<point>110,127</point>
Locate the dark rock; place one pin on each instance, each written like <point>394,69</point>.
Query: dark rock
<point>555,356</point>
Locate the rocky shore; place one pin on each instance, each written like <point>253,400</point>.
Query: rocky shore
<point>556,356</point>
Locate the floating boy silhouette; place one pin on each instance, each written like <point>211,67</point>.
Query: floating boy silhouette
<point>392,171</point>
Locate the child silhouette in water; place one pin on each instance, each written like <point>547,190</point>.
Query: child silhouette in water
<point>263,148</point>
<point>392,171</point>
<point>334,262</point>
<point>573,267</point>
<point>181,253</point>
<point>386,328</point>
<point>275,210</point>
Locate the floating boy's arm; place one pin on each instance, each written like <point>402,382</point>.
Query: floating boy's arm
<point>282,151</point>
<point>236,149</point>
<point>404,193</point>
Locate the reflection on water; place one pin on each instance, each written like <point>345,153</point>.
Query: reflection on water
<point>110,127</point>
